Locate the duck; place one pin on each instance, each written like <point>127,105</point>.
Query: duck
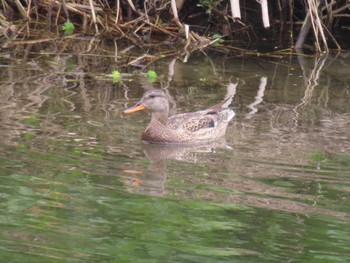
<point>185,128</point>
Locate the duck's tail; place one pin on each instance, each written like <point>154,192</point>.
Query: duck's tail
<point>223,104</point>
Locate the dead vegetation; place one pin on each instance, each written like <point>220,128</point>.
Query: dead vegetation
<point>187,24</point>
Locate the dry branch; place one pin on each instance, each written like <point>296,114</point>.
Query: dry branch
<point>22,10</point>
<point>93,14</point>
<point>175,14</point>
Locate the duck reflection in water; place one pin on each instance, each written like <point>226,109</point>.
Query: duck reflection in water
<point>153,180</point>
<point>180,137</point>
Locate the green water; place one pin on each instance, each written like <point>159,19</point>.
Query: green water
<point>78,186</point>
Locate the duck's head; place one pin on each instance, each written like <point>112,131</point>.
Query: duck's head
<point>154,100</point>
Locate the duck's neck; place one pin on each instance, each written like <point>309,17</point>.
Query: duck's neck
<point>160,116</point>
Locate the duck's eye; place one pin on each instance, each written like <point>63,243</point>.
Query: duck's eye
<point>152,96</point>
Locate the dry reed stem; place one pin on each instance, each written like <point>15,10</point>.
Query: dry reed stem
<point>93,15</point>
<point>131,4</point>
<point>22,10</point>
<point>235,9</point>
<point>28,9</point>
<point>265,13</point>
<point>117,12</point>
<point>175,14</point>
<point>317,25</point>
<point>64,5</point>
<point>315,18</point>
<point>303,32</point>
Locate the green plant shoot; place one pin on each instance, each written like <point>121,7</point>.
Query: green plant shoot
<point>152,76</point>
<point>68,28</point>
<point>116,76</point>
<point>219,41</point>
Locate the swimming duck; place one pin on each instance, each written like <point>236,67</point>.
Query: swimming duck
<point>186,128</point>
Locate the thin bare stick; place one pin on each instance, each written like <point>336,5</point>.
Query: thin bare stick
<point>318,24</point>
<point>320,27</point>
<point>313,16</point>
<point>118,10</point>
<point>131,4</point>
<point>58,14</point>
<point>93,15</point>
<point>347,6</point>
<point>159,28</point>
<point>21,9</point>
<point>64,5</point>
<point>175,14</point>
<point>85,7</point>
<point>28,9</point>
<point>342,15</point>
<point>333,38</point>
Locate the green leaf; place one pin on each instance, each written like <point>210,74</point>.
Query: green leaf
<point>116,76</point>
<point>68,28</point>
<point>152,76</point>
<point>219,39</point>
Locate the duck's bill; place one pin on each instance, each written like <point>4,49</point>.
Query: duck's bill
<point>137,107</point>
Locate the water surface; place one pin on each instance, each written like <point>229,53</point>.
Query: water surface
<point>77,185</point>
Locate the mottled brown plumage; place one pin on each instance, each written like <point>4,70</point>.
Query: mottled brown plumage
<point>186,128</point>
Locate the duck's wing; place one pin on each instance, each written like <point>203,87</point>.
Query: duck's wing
<point>196,124</point>
<point>209,118</point>
<point>195,121</point>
